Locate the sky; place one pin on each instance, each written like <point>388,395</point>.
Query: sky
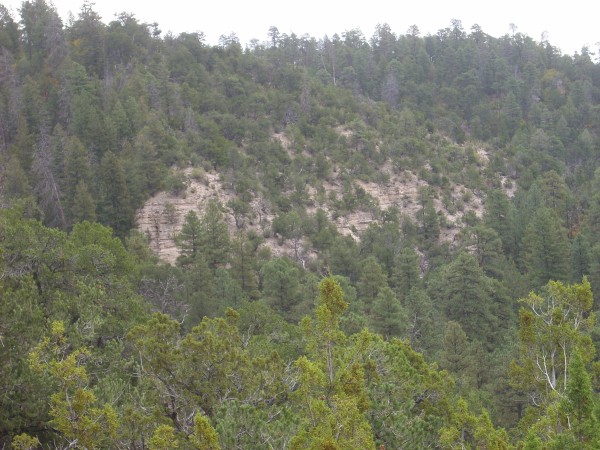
<point>568,26</point>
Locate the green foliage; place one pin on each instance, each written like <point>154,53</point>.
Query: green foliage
<point>471,298</point>
<point>164,438</point>
<point>204,435</point>
<point>25,442</point>
<point>280,286</point>
<point>214,235</point>
<point>552,327</point>
<point>388,317</point>
<point>72,406</point>
<point>332,385</point>
<point>188,240</point>
<point>371,283</point>
<point>547,249</point>
<point>95,118</point>
<point>115,202</point>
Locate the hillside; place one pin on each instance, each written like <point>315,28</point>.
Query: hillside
<point>162,216</point>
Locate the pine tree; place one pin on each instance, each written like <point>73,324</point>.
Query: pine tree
<point>189,239</point>
<point>331,392</point>
<point>580,403</point>
<point>388,317</point>
<point>280,286</point>
<point>372,281</point>
<point>421,329</point>
<point>47,189</point>
<point>243,265</point>
<point>430,227</point>
<point>84,205</point>
<point>499,215</point>
<point>580,257</point>
<point>456,356</point>
<point>466,298</point>
<point>115,204</point>
<point>204,436</point>
<point>546,249</point>
<point>214,236</point>
<point>406,272</point>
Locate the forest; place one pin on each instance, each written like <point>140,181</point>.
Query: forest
<point>398,249</point>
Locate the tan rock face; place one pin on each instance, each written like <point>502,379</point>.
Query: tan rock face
<point>162,216</point>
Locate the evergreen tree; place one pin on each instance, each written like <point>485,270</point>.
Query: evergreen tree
<point>579,405</point>
<point>84,205</point>
<point>279,279</point>
<point>487,248</point>
<point>430,227</point>
<point>214,235</point>
<point>115,204</point>
<point>465,292</point>
<point>457,356</point>
<point>189,239</point>
<point>406,272</point>
<point>243,264</point>
<point>200,291</point>
<point>499,215</point>
<point>580,257</point>
<point>15,182</point>
<point>344,258</point>
<point>388,317</point>
<point>370,284</point>
<point>546,248</point>
<point>331,392</point>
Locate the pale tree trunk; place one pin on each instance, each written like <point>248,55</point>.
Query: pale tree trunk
<point>46,187</point>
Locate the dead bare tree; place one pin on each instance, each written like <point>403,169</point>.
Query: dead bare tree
<point>162,293</point>
<point>46,186</point>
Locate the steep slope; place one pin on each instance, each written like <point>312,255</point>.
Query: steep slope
<point>162,215</point>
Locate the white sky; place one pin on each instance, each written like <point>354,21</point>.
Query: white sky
<point>569,25</point>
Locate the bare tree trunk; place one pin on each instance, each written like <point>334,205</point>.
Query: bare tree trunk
<point>46,187</point>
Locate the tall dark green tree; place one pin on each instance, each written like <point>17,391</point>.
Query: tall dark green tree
<point>189,239</point>
<point>214,236</point>
<point>372,280</point>
<point>465,295</point>
<point>115,209</point>
<point>499,215</point>
<point>406,272</point>
<point>580,405</point>
<point>388,316</point>
<point>280,287</point>
<point>546,248</point>
<point>244,265</point>
<point>84,205</point>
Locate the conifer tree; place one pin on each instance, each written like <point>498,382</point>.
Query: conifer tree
<point>214,236</point>
<point>388,317</point>
<point>84,205</point>
<point>371,282</point>
<point>331,393</point>
<point>546,248</point>
<point>115,203</point>
<point>465,292</point>
<point>189,239</point>
<point>580,404</point>
<point>280,286</point>
<point>243,264</point>
<point>406,273</point>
